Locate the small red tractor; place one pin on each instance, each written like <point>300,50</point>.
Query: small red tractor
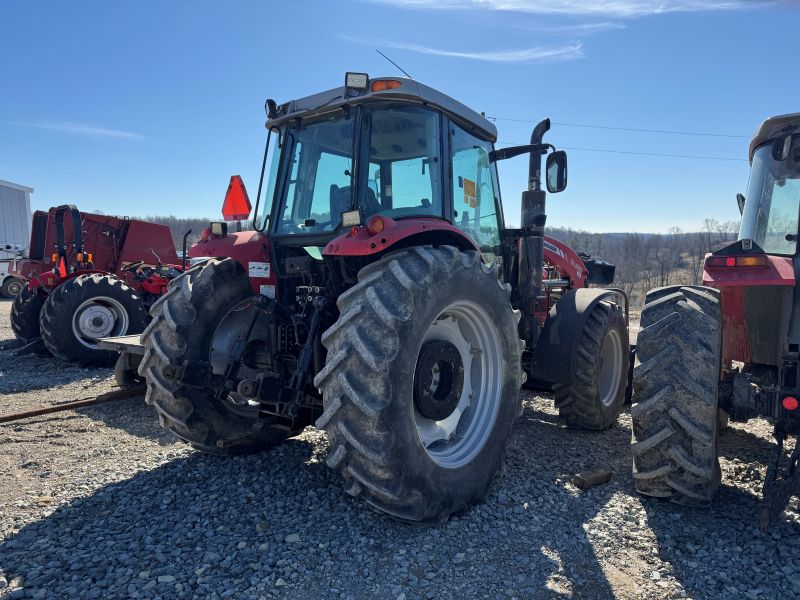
<point>729,348</point>
<point>103,274</point>
<point>382,297</point>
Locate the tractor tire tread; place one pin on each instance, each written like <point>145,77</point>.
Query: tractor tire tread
<point>177,317</point>
<point>357,388</point>
<point>674,415</point>
<point>25,310</point>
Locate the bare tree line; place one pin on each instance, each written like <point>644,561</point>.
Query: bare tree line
<point>647,260</point>
<point>178,227</point>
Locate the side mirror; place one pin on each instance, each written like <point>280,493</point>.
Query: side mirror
<point>740,202</point>
<point>557,171</point>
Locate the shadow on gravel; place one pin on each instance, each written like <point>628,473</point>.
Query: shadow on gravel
<point>278,524</point>
<point>743,445</point>
<point>719,552</point>
<point>30,372</point>
<point>131,415</point>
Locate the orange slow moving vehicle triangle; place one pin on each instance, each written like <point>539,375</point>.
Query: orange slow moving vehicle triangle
<point>237,205</point>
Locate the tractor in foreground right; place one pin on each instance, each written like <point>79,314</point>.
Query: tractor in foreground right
<point>729,348</point>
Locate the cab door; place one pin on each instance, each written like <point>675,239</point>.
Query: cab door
<point>476,205</point>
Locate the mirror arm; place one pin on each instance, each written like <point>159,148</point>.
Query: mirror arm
<point>512,151</point>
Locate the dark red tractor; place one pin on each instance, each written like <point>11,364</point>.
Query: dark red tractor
<point>89,276</point>
<point>382,298</point>
<point>730,348</point>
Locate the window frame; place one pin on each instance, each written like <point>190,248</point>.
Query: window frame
<point>287,150</point>
<point>450,201</point>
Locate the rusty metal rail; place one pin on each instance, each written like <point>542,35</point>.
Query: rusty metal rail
<point>90,401</point>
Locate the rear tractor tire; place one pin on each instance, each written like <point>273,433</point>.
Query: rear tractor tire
<point>80,311</point>
<point>596,394</point>
<point>675,418</point>
<point>421,384</point>
<point>25,313</point>
<point>182,331</point>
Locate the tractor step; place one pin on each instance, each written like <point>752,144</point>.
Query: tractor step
<point>123,343</point>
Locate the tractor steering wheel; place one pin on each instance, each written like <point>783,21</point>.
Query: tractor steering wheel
<point>133,266</point>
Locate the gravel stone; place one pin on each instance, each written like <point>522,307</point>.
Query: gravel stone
<point>102,502</point>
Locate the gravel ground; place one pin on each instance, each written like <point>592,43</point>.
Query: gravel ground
<point>101,503</point>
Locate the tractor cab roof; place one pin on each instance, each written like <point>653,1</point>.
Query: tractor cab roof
<point>771,127</point>
<point>398,89</point>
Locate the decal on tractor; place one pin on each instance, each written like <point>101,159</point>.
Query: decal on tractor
<point>258,269</point>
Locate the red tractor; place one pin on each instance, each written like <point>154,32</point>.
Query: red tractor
<point>382,297</point>
<point>102,276</point>
<point>729,348</point>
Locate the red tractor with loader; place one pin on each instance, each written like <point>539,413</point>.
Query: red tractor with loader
<point>729,348</point>
<point>382,298</point>
<point>89,276</point>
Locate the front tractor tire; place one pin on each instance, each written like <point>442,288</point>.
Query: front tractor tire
<point>594,397</point>
<point>674,415</point>
<point>82,310</point>
<point>25,313</point>
<point>185,320</point>
<point>421,384</point>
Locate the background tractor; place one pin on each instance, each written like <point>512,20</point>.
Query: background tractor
<point>11,282</point>
<point>382,298</point>
<point>729,348</point>
<point>102,276</point>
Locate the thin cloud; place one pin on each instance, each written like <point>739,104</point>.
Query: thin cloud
<point>81,129</point>
<point>526,55</point>
<point>576,28</point>
<point>606,8</point>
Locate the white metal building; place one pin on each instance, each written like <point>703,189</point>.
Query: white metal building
<point>15,217</point>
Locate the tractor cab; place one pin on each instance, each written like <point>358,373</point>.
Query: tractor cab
<point>380,155</point>
<point>756,274</point>
<point>772,206</point>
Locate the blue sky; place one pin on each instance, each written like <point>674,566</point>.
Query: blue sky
<point>148,107</point>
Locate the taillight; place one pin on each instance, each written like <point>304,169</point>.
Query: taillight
<point>758,260</point>
<point>382,85</point>
<point>375,225</point>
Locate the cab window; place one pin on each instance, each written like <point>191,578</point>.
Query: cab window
<point>404,173</point>
<point>475,197</point>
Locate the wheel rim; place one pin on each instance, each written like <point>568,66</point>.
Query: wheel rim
<point>14,288</point>
<point>609,370</point>
<point>455,440</point>
<point>97,318</point>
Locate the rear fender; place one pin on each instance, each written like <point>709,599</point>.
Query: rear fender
<point>554,355</point>
<point>250,249</point>
<point>360,241</point>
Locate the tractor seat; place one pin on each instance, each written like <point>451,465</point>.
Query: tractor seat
<point>340,201</point>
